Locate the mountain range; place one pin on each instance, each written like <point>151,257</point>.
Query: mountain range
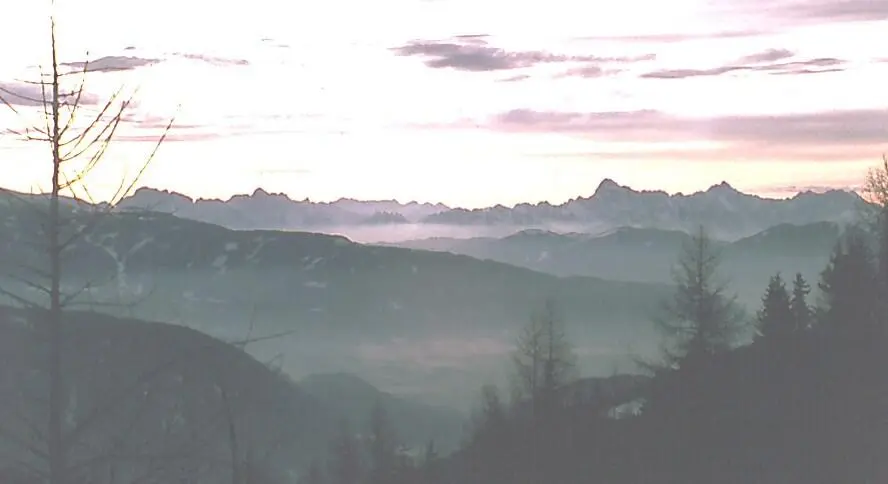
<point>647,254</point>
<point>726,212</point>
<point>262,210</point>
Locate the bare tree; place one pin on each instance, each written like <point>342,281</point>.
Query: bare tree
<point>875,217</point>
<point>875,187</point>
<point>544,360</point>
<point>245,460</point>
<point>78,136</point>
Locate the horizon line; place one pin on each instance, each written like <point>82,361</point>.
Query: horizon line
<point>768,193</point>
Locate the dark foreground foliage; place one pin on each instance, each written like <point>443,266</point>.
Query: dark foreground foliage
<point>805,403</point>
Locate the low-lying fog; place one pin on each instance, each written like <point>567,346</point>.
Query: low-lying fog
<point>443,371</point>
<point>395,233</point>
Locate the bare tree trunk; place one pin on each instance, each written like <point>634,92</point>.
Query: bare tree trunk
<point>56,447</point>
<point>233,446</point>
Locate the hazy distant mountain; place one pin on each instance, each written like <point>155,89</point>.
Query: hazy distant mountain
<point>384,218</point>
<point>415,423</point>
<point>646,255</point>
<point>262,210</point>
<point>726,212</point>
<point>316,279</point>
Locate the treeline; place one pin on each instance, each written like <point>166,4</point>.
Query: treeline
<point>805,402</point>
<point>375,458</point>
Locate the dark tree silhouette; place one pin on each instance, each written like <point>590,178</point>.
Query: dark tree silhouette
<point>544,361</point>
<point>345,466</point>
<point>849,288</point>
<point>382,448</point>
<point>802,314</point>
<point>701,320</point>
<point>489,443</point>
<point>876,193</point>
<point>78,136</point>
<point>775,319</point>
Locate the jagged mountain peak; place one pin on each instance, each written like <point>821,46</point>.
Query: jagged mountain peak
<point>608,185</point>
<point>155,192</point>
<point>261,193</point>
<point>723,186</point>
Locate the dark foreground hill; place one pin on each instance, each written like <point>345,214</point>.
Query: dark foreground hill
<point>142,390</point>
<point>154,401</point>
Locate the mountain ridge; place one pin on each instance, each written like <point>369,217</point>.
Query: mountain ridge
<point>727,212</point>
<point>647,254</point>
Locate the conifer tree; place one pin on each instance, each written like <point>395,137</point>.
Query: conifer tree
<point>802,314</point>
<point>382,447</point>
<point>429,463</point>
<point>492,441</point>
<point>701,319</point>
<point>490,422</point>
<point>345,464</point>
<point>849,286</point>
<point>775,318</point>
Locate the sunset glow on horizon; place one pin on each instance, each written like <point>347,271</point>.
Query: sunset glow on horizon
<point>470,103</point>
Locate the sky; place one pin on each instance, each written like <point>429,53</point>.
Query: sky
<point>467,102</point>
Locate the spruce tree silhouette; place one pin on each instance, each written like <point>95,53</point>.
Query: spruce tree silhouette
<point>775,319</point>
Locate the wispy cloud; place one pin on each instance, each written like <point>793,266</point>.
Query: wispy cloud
<point>670,38</point>
<point>770,55</point>
<point>837,128</point>
<point>128,63</point>
<point>783,15</point>
<point>473,53</point>
<point>26,94</point>
<point>591,71</point>
<point>218,61</point>
<point>794,189</point>
<point>111,64</point>
<point>770,16</point>
<point>824,10</point>
<point>515,78</point>
<point>765,61</point>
